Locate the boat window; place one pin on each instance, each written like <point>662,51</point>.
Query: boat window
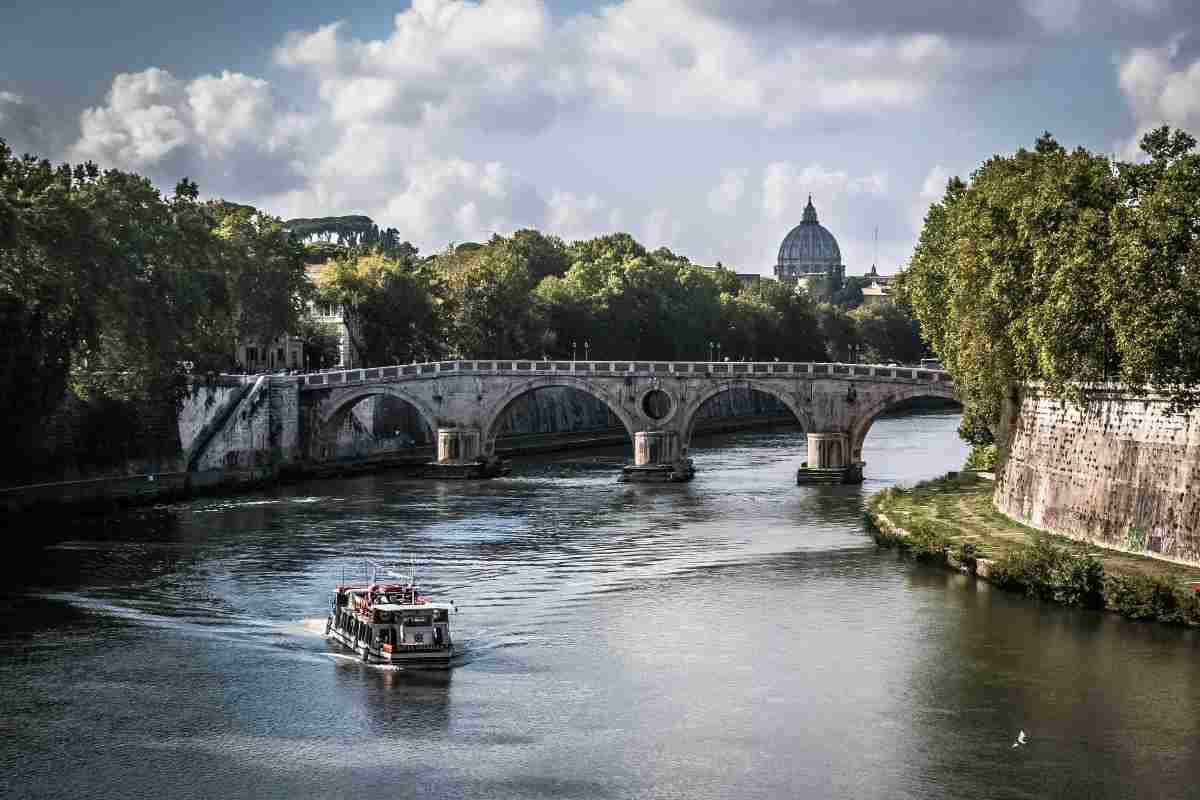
<point>421,620</point>
<point>383,617</point>
<point>385,636</point>
<point>440,615</point>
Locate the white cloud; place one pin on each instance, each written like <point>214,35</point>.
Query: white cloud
<point>20,124</point>
<point>786,186</point>
<point>661,229</point>
<point>467,200</point>
<point>724,197</point>
<point>574,217</point>
<point>230,129</point>
<point>1145,7</point>
<point>1054,16</point>
<point>933,188</point>
<point>508,64</point>
<point>1159,91</point>
<point>446,61</point>
<point>404,126</point>
<point>391,174</point>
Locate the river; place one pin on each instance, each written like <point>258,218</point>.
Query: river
<point>737,636</point>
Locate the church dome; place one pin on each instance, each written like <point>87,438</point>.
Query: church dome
<point>808,248</point>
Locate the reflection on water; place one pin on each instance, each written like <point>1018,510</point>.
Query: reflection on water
<point>734,636</point>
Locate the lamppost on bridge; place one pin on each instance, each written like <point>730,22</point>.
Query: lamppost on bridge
<point>711,346</point>
<point>572,351</point>
<point>586,346</point>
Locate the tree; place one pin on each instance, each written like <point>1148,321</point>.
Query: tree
<point>1008,277</point>
<point>321,342</point>
<point>1152,292</point>
<point>888,334</point>
<point>48,290</point>
<point>839,331</point>
<point>351,235</point>
<point>850,294</point>
<point>750,327</point>
<point>545,255</point>
<point>487,294</point>
<point>390,306</point>
<point>267,268</point>
<point>798,337</point>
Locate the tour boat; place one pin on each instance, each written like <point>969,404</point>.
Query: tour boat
<point>386,620</point>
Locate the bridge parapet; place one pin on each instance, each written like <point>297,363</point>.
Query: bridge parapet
<point>689,369</point>
<point>657,400</point>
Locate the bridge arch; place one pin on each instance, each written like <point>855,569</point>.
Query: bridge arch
<point>495,410</point>
<point>690,414</point>
<point>333,409</point>
<point>866,416</point>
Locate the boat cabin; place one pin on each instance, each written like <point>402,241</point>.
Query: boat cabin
<point>391,617</point>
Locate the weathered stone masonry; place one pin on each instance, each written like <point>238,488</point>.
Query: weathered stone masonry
<point>1118,470</point>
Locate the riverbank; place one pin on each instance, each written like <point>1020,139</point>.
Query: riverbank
<point>106,493</point>
<point>951,521</point>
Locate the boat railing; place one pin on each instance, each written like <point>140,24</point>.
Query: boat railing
<point>418,647</point>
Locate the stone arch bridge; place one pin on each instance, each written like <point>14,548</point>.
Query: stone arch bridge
<point>657,402</point>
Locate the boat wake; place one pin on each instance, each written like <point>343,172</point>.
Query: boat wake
<point>277,638</point>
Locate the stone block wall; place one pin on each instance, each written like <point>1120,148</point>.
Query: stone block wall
<point>1116,470</point>
<point>205,406</point>
<point>257,429</point>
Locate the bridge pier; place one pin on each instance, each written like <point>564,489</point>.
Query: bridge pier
<point>829,460</point>
<point>658,458</point>
<point>460,455</point>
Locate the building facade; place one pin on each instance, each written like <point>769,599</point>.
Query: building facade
<point>878,290</point>
<point>287,352</point>
<point>810,256</point>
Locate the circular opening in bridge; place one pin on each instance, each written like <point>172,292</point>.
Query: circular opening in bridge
<point>656,404</point>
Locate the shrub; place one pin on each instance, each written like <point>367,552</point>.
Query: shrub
<point>1152,597</point>
<point>968,555</point>
<point>926,543</point>
<point>1049,572</point>
<point>982,457</point>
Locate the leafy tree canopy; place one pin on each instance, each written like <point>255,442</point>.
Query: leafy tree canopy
<point>1062,267</point>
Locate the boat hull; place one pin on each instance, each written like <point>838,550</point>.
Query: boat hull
<point>430,657</point>
<point>676,472</point>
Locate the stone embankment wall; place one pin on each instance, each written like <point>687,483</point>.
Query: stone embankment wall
<point>1116,470</point>
<point>251,429</point>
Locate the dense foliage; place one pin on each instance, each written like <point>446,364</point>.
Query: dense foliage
<point>532,295</point>
<point>355,232</point>
<point>107,288</point>
<point>1063,267</point>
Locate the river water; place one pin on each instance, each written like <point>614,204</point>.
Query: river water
<point>737,636</point>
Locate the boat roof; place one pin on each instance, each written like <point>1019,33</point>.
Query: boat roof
<point>421,607</point>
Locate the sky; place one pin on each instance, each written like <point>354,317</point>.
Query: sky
<point>699,125</point>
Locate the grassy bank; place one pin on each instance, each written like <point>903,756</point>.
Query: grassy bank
<point>951,521</point>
